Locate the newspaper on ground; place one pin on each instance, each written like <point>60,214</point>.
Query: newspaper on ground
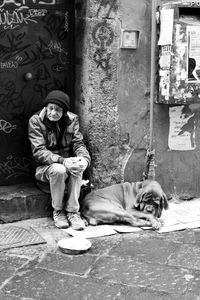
<point>101,230</point>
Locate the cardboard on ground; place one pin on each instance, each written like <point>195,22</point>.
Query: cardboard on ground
<point>179,216</point>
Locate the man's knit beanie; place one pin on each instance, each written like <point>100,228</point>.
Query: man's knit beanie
<point>59,98</point>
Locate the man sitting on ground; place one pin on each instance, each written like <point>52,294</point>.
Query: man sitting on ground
<point>60,155</point>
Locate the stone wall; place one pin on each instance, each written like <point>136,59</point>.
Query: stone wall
<point>97,87</point>
<point>112,88</point>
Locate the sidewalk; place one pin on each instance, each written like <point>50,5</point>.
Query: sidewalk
<point>135,266</point>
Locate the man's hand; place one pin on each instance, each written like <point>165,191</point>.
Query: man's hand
<point>75,165</point>
<point>83,162</point>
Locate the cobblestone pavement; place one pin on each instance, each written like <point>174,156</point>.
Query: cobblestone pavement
<point>139,266</point>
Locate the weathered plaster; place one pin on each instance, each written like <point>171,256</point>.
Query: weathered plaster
<point>113,99</point>
<point>99,90</point>
<point>134,87</point>
<point>178,171</point>
<point>113,87</point>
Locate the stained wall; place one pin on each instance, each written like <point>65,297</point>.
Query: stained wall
<point>113,100</point>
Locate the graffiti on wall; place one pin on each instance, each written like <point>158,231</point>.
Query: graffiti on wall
<point>10,99</point>
<point>111,6</point>
<point>33,40</point>
<point>11,20</point>
<point>7,127</point>
<point>11,45</point>
<point>45,57</point>
<point>55,25</point>
<point>55,46</point>
<point>66,21</point>
<point>9,65</point>
<point>103,37</point>
<point>15,166</point>
<point>24,2</point>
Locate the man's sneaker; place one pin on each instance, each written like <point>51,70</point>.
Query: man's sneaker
<point>75,221</point>
<point>60,219</point>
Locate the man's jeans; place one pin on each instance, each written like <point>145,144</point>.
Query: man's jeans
<point>61,182</point>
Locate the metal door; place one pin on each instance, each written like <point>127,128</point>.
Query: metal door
<point>36,56</point>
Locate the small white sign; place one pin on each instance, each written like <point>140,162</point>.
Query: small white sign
<point>130,39</point>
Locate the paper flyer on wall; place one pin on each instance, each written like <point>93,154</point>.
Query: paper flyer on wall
<point>166,28</point>
<point>181,128</point>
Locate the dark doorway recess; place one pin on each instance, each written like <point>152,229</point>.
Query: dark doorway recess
<point>36,56</point>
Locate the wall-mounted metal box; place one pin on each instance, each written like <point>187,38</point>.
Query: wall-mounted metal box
<point>129,39</point>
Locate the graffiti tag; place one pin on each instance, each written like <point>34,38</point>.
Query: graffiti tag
<point>66,22</point>
<point>15,166</point>
<point>55,24</point>
<point>112,6</point>
<point>55,46</point>
<point>11,100</point>
<point>6,2</point>
<point>11,20</point>
<point>14,45</point>
<point>8,65</point>
<point>7,127</point>
<point>103,37</point>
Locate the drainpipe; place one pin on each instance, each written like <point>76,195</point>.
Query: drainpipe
<point>150,155</point>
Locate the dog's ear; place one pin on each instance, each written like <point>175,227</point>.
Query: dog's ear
<point>139,197</point>
<point>164,201</point>
<point>139,191</point>
<point>138,186</point>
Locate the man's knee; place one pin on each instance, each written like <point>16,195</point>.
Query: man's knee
<point>57,170</point>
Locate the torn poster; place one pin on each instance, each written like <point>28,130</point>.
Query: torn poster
<point>166,27</point>
<point>165,57</point>
<point>164,84</point>
<point>193,53</point>
<point>181,128</point>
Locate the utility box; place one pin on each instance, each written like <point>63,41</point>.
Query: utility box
<point>179,52</point>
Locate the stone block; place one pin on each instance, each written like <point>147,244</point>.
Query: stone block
<point>23,201</point>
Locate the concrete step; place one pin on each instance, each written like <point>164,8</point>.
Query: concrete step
<point>23,201</point>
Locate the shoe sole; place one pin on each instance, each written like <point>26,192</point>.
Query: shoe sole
<point>78,228</point>
<point>62,227</point>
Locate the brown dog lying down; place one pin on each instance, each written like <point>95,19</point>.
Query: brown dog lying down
<point>137,203</point>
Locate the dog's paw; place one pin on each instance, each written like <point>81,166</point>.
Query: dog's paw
<point>156,224</point>
<point>92,221</point>
<point>84,220</point>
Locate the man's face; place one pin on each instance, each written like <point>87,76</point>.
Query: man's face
<point>54,112</point>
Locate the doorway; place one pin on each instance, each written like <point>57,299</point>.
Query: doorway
<point>36,56</point>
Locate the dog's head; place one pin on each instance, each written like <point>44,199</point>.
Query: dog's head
<point>151,198</point>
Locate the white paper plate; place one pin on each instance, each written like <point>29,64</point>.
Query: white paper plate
<point>74,245</point>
